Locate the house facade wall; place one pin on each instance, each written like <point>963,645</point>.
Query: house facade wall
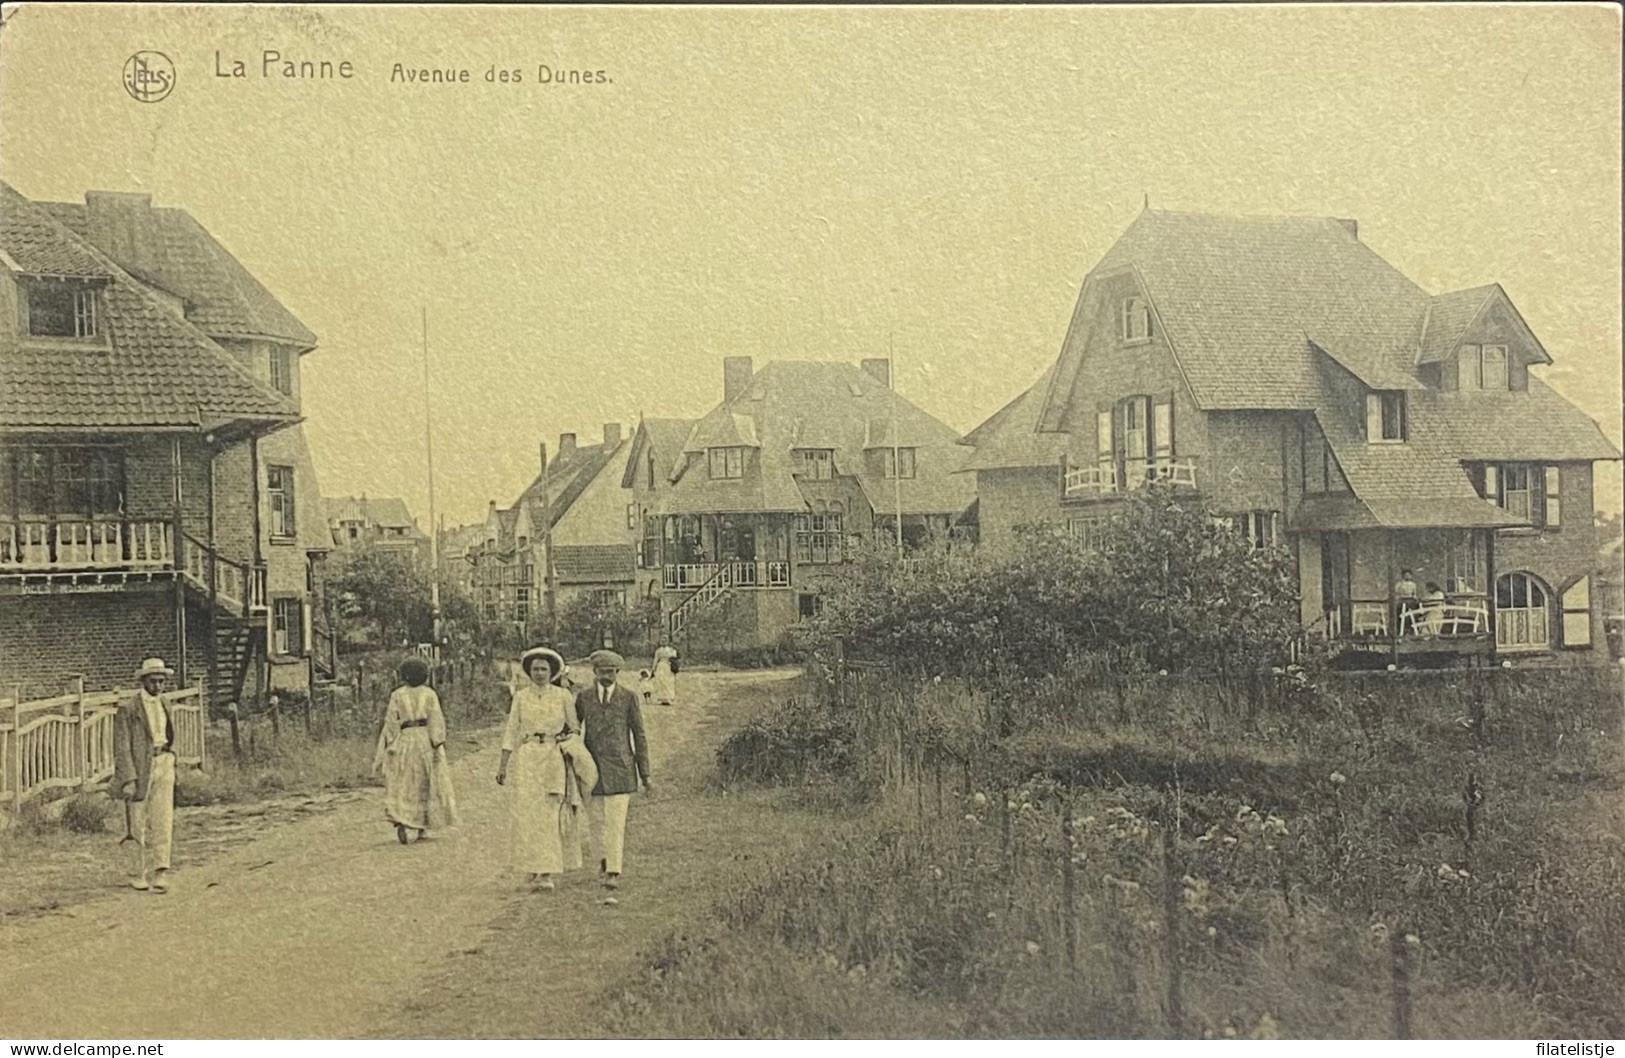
<point>103,635</point>
<point>599,513</point>
<point>1562,555</point>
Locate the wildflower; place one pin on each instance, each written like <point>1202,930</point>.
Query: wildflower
<point>1267,1029</point>
<point>937,873</point>
<point>1463,873</point>
<point>1413,940</point>
<point>1010,806</point>
<point>1032,947</point>
<point>1026,806</point>
<point>1392,667</point>
<point>1162,672</point>
<point>970,817</point>
<point>1229,840</point>
<point>1379,930</point>
<point>1212,931</point>
<point>991,915</point>
<point>1337,778</point>
<point>936,679</point>
<point>980,798</point>
<point>1446,871</point>
<point>1243,812</point>
<point>1275,825</point>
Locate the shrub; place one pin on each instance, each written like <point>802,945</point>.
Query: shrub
<point>792,742</point>
<point>86,813</point>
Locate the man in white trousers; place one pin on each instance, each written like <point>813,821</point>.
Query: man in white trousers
<point>144,773</point>
<point>614,737</point>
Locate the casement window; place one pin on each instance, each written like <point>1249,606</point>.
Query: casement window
<point>59,310</point>
<point>1530,491</point>
<point>1464,565</point>
<point>899,463</point>
<point>1385,416</point>
<point>631,516</point>
<point>818,539</point>
<point>1521,615</point>
<point>815,464</point>
<point>282,371</point>
<point>521,603</point>
<point>1136,320</point>
<point>808,605</point>
<point>1482,367</point>
<point>1136,432</point>
<point>287,627</point>
<point>1576,603</point>
<point>649,468</point>
<point>279,493</point>
<point>727,462</point>
<point>1260,529</point>
<point>1106,452</point>
<point>649,556</point>
<point>1162,430</point>
<point>67,480</point>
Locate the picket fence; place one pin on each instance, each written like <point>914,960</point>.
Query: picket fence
<point>66,742</point>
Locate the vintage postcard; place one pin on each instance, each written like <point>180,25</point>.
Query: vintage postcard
<point>811,522</point>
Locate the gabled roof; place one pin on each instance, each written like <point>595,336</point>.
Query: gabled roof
<point>155,370</point>
<point>1010,438</point>
<point>791,404</point>
<point>169,249</point>
<point>1448,318</point>
<point>594,563</point>
<point>665,437</point>
<point>388,512</point>
<point>567,476</point>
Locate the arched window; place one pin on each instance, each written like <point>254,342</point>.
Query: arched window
<point>1522,616</point>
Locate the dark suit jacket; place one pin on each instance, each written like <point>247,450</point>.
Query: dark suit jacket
<point>132,746</point>
<point>614,737</point>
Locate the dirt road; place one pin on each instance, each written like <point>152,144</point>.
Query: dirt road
<point>328,928</point>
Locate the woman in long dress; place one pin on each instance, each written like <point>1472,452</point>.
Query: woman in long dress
<point>544,764</point>
<point>664,677</point>
<point>412,755</point>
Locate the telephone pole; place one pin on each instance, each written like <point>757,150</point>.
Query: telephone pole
<point>434,525</point>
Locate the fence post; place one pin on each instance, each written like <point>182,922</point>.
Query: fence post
<point>1069,891</point>
<point>1400,967</point>
<point>236,737</point>
<point>80,749</point>
<point>202,727</point>
<point>17,750</point>
<point>1171,923</point>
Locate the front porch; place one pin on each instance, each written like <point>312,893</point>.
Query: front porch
<point>748,551</point>
<point>1406,593</point>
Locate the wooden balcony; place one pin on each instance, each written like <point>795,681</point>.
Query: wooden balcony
<point>29,546</point>
<point>1102,480</point>
<point>1458,625</point>
<point>691,576</point>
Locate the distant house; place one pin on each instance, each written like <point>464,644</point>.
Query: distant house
<point>459,547</point>
<point>381,523</point>
<point>1310,395</point>
<point>749,516</point>
<point>577,507</point>
<point>156,492</point>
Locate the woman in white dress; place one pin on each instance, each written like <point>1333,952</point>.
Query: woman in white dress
<point>543,755</point>
<point>664,677</point>
<point>412,755</point>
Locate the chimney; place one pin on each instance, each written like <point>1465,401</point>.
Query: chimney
<point>879,369</point>
<point>736,375</point>
<point>542,451</point>
<point>612,434</point>
<point>1352,225</point>
<point>567,444</point>
<point>122,225</point>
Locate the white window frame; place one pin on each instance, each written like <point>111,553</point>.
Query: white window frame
<point>1376,418</point>
<point>1552,480</point>
<point>906,457</point>
<point>1261,529</point>
<point>1522,628</point>
<point>279,499</point>
<point>816,464</point>
<point>1576,614</point>
<point>729,460</point>
<point>1501,381</point>
<point>282,371</point>
<point>1136,321</point>
<point>287,629</point>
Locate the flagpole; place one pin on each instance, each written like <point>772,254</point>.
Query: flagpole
<point>434,533</point>
<point>896,458</point>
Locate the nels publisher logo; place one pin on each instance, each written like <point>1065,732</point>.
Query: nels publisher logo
<point>149,76</point>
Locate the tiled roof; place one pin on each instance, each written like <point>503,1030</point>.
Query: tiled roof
<point>567,477</point>
<point>665,437</point>
<point>1010,437</point>
<point>168,248</point>
<point>387,511</point>
<point>792,404</point>
<point>153,370</point>
<point>594,563</point>
<point>1238,297</point>
<point>1537,425</point>
<point>33,245</point>
<point>1448,316</point>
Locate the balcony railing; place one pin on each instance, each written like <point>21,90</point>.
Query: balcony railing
<point>239,586</point>
<point>85,544</point>
<point>691,576</point>
<point>1105,480</point>
<point>1457,617</point>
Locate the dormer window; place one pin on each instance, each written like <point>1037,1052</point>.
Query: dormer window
<point>1385,416</point>
<point>59,310</point>
<point>726,462</point>
<point>1136,320</point>
<point>282,371</point>
<point>899,463</point>
<point>815,464</point>
<point>1482,367</point>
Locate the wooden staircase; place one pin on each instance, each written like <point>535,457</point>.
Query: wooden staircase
<point>720,583</point>
<point>238,643</point>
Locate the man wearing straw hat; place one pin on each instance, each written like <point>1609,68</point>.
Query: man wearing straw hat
<point>144,772</point>
<point>614,737</point>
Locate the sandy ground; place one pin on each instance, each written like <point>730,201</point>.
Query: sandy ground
<point>326,927</point>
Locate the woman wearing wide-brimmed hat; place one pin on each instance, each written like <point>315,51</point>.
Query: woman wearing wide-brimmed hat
<point>544,764</point>
<point>412,755</point>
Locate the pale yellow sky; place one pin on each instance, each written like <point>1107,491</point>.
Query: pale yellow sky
<point>812,182</point>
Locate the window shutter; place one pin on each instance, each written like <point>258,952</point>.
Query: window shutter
<point>1492,485</point>
<point>1103,431</point>
<point>1554,499</point>
<point>1467,367</point>
<point>1577,614</point>
<point>1373,417</point>
<point>1162,428</point>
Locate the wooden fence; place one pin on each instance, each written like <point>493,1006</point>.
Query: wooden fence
<point>66,742</point>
